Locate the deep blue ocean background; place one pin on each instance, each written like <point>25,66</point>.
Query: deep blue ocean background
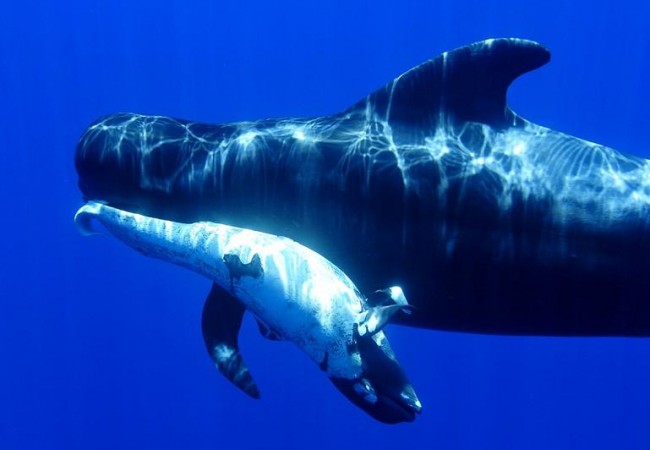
<point>100,348</point>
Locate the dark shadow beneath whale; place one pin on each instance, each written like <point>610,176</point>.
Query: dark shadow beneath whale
<point>489,223</point>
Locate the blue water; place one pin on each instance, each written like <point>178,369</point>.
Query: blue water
<point>100,348</point>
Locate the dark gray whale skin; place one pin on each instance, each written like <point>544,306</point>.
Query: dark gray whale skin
<point>491,224</point>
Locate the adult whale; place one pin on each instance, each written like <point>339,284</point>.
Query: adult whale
<point>490,223</point>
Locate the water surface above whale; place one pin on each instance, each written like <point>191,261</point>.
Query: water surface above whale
<point>488,222</point>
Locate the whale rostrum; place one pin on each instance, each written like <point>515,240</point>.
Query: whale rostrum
<point>294,293</point>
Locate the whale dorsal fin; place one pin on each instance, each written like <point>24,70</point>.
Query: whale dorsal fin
<point>238,269</point>
<point>465,84</point>
<point>221,319</point>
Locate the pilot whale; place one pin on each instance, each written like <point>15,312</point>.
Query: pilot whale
<point>488,222</point>
<point>295,295</point>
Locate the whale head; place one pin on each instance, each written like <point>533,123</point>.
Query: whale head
<point>382,390</point>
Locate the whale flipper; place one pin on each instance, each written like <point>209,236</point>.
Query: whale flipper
<point>466,84</point>
<point>376,318</point>
<point>386,297</point>
<point>221,319</point>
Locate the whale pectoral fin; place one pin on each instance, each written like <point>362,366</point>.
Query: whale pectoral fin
<point>221,319</point>
<point>383,305</point>
<point>387,297</point>
<point>377,317</point>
